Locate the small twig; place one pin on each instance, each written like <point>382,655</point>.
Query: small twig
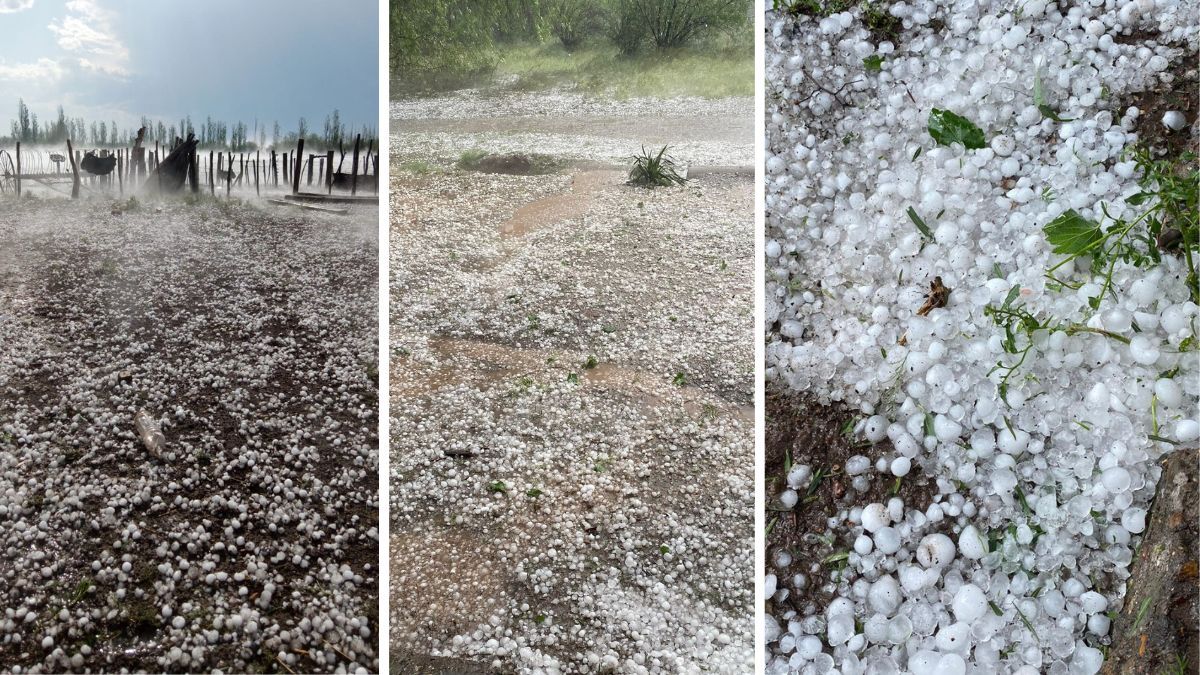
<point>284,664</point>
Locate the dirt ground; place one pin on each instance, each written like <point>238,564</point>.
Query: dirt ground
<point>571,387</point>
<point>248,334</point>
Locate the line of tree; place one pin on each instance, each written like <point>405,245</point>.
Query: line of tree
<point>459,37</point>
<point>237,137</point>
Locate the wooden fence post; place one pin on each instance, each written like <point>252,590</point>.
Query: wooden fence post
<point>194,170</point>
<point>74,171</point>
<point>229,178</point>
<point>296,166</point>
<point>329,171</point>
<point>120,176</point>
<point>310,168</point>
<point>18,169</point>
<point>354,166</point>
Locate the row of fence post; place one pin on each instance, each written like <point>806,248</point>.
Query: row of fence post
<point>292,165</point>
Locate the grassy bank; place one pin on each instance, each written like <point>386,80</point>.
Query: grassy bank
<point>715,71</point>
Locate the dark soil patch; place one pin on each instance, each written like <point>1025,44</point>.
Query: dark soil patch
<point>1183,95</point>
<point>802,431</point>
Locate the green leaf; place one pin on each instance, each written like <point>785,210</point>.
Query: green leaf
<point>1072,234</point>
<point>925,231</point>
<point>1138,199</point>
<point>497,486</point>
<point>916,154</point>
<point>1013,293</point>
<point>873,63</point>
<point>948,128</point>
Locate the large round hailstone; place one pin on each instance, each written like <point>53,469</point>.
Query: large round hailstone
<point>971,544</point>
<point>969,603</point>
<point>953,638</point>
<point>884,596</point>
<point>1173,120</point>
<point>863,544</point>
<point>808,647</point>
<point>875,517</point>
<point>1143,350</point>
<point>770,585</point>
<point>1085,660</point>
<point>1115,479</point>
<point>788,499</point>
<point>924,662</point>
<point>887,540</point>
<point>1012,443</point>
<point>875,428</point>
<point>1093,602</point>
<point>900,466</point>
<point>799,476</point>
<point>840,629</point>
<point>951,664</point>
<point>935,551</point>
<point>1134,520</point>
<point>899,629</point>
<point>1169,393</point>
<point>1187,431</point>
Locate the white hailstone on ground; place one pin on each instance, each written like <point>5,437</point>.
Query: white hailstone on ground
<point>935,551</point>
<point>971,543</point>
<point>901,466</point>
<point>1174,120</point>
<point>863,544</point>
<point>887,540</point>
<point>875,428</point>
<point>799,476</point>
<point>788,499</point>
<point>884,595</point>
<point>874,517</point>
<point>1187,431</point>
<point>969,603</point>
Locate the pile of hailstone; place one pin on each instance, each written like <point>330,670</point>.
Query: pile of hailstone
<point>1042,491</point>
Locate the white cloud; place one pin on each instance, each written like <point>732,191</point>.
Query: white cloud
<point>11,6</point>
<point>43,70</point>
<point>87,31</point>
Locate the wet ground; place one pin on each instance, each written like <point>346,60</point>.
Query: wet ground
<point>248,334</point>
<point>572,381</point>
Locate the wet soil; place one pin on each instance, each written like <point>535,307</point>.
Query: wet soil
<point>803,431</point>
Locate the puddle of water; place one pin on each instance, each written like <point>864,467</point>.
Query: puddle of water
<point>563,206</point>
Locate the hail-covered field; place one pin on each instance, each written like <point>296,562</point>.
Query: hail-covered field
<point>979,243</point>
<point>249,336</point>
<point>572,374</point>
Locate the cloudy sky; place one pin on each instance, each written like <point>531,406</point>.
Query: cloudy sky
<point>235,60</point>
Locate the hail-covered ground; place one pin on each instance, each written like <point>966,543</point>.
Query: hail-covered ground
<point>572,375</point>
<point>248,335</point>
<point>1045,464</point>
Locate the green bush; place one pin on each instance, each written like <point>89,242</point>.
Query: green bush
<point>573,21</point>
<point>674,24</point>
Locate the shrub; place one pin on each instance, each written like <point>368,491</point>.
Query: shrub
<point>654,170</point>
